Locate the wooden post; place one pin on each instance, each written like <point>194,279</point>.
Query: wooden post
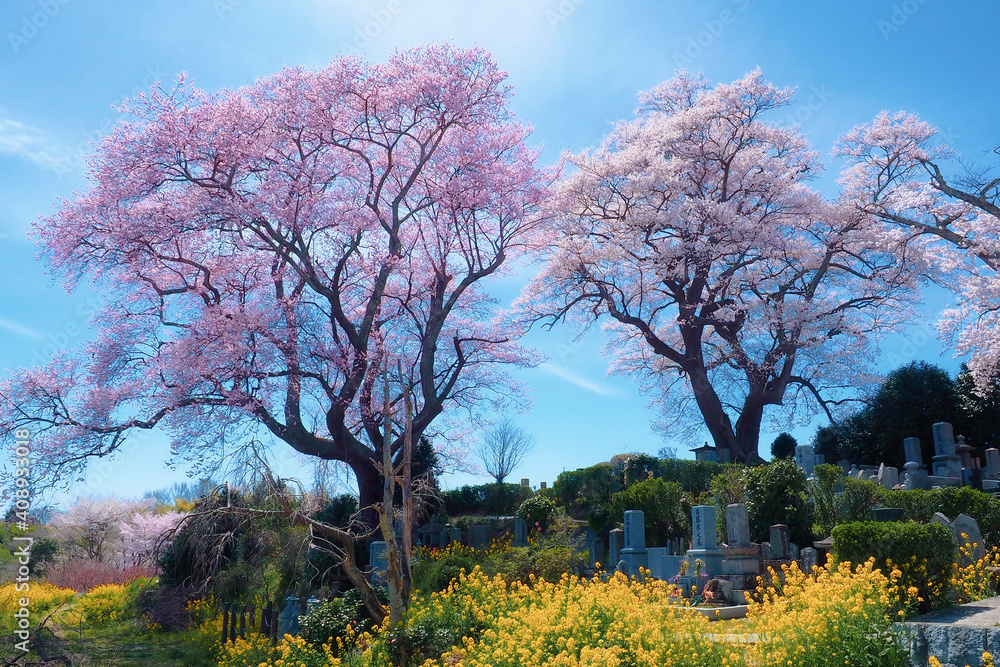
<point>225,623</point>
<point>243,620</point>
<point>274,623</point>
<point>265,620</point>
<point>252,618</point>
<point>232,624</point>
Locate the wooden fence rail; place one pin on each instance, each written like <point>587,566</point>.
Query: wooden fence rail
<point>238,620</point>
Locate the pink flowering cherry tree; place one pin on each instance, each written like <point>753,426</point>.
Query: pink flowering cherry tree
<point>270,252</point>
<point>898,172</point>
<point>727,286</point>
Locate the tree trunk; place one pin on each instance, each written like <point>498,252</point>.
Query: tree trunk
<point>741,441</point>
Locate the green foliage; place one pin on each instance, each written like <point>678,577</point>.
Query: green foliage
<point>981,413</point>
<point>328,621</point>
<point>726,488</point>
<point>586,495</point>
<point>537,511</point>
<point>660,502</point>
<point>548,557</point>
<point>822,494</point>
<point>861,497</point>
<point>783,446</point>
<point>776,493</point>
<point>640,467</point>
<point>826,441</point>
<point>924,552</point>
<point>858,501</point>
<point>910,400</point>
<point>694,476</point>
<point>485,499</point>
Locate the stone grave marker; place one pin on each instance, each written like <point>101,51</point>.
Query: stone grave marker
<point>379,562</point>
<point>634,547</point>
<point>992,463</point>
<point>972,540</point>
<point>520,532</point>
<point>615,539</point>
<point>737,525</point>
<point>808,557</point>
<point>805,458</point>
<point>779,542</point>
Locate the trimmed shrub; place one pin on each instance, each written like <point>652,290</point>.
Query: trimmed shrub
<point>861,497</point>
<point>660,502</point>
<point>924,554</point>
<point>776,493</point>
<point>484,499</point>
<point>537,511</point>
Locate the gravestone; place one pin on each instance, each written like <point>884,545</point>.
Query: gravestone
<point>888,477</point>
<point>805,458</point>
<point>809,559</point>
<point>615,539</point>
<point>779,542</point>
<point>793,551</point>
<point>596,548</point>
<point>525,482</point>
<point>479,535</point>
<point>520,532</point>
<point>741,562</point>
<point>737,525</point>
<point>634,546</point>
<point>289,619</point>
<point>946,462</point>
<point>543,485</point>
<point>379,562</point>
<point>724,454</point>
<point>965,532</point>
<point>992,463</point>
<point>766,552</point>
<point>455,535</point>
<point>914,477</point>
<point>703,528</point>
<point>968,535</point>
<point>819,459</point>
<point>912,451</point>
<point>964,452</point>
<point>705,541</point>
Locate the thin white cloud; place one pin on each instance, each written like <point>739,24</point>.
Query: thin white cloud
<point>31,144</point>
<point>19,329</point>
<point>581,382</point>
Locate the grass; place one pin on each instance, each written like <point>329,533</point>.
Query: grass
<point>67,639</point>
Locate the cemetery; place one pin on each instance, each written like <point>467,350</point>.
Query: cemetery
<point>340,286</point>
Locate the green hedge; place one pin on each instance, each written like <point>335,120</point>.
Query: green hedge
<point>484,499</point>
<point>860,497</point>
<point>694,476</point>
<point>924,553</point>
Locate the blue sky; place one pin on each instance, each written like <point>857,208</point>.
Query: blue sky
<point>577,66</point>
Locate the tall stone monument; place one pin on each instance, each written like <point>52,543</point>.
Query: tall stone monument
<point>634,548</point>
<point>946,462</point>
